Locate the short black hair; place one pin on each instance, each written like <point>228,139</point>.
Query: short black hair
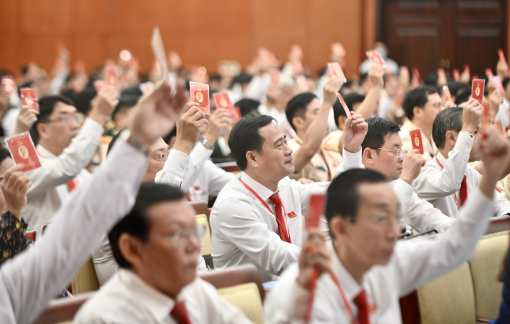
<point>378,128</point>
<point>247,106</point>
<point>417,98</point>
<point>343,196</point>
<point>242,78</point>
<point>463,97</point>
<point>126,102</point>
<point>431,79</point>
<point>245,137</point>
<point>137,223</point>
<point>83,99</point>
<point>505,82</point>
<point>46,106</point>
<point>448,119</point>
<point>456,87</point>
<point>350,100</point>
<point>296,107</point>
<point>4,154</point>
<point>134,90</point>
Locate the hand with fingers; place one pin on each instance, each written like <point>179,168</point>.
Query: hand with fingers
<point>355,131</point>
<point>26,118</point>
<point>103,104</point>
<point>314,256</point>
<point>331,88</point>
<point>188,127</point>
<point>411,166</point>
<point>219,121</point>
<point>14,187</point>
<point>471,116</point>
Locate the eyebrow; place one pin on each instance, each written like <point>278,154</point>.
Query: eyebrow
<point>280,139</point>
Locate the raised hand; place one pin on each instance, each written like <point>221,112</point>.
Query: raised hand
<point>219,120</point>
<point>26,118</point>
<point>157,113</point>
<point>411,166</point>
<point>188,127</point>
<point>314,255</point>
<point>14,187</point>
<point>471,116</point>
<point>103,104</point>
<point>355,131</point>
<point>331,88</point>
<point>376,74</point>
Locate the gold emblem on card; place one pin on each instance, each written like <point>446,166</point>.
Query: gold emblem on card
<point>23,152</point>
<point>416,141</point>
<point>28,100</point>
<point>199,96</point>
<point>223,102</point>
<point>477,91</point>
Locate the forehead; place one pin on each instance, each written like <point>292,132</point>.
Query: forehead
<point>315,103</point>
<point>63,108</point>
<point>271,133</point>
<point>433,97</point>
<point>371,194</point>
<point>159,145</point>
<point>167,213</point>
<point>392,140</point>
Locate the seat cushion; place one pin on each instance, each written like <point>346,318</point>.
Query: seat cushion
<point>246,297</point>
<point>202,220</point>
<point>449,299</point>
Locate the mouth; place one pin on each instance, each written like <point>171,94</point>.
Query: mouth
<point>291,161</point>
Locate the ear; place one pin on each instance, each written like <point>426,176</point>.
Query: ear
<point>417,111</point>
<point>252,157</point>
<point>42,129</point>
<point>367,156</point>
<point>130,249</point>
<point>451,138</point>
<point>341,121</point>
<point>172,142</point>
<point>338,227</point>
<point>298,122</point>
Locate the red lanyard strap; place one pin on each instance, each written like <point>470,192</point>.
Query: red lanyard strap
<point>280,225</point>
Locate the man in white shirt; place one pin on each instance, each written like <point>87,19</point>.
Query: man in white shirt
<point>157,245</point>
<point>257,217</point>
<point>371,269</point>
<point>421,106</point>
<point>29,281</point>
<point>448,181</point>
<point>65,148</point>
<point>381,150</point>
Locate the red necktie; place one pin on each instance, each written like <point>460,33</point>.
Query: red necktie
<point>280,217</point>
<point>180,314</point>
<point>463,191</point>
<point>73,184</point>
<point>362,304</point>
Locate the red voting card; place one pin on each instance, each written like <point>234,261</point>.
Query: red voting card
<point>501,55</point>
<point>9,85</point>
<point>23,151</point>
<point>199,93</point>
<point>223,102</point>
<point>456,75</point>
<point>416,140</point>
<point>237,115</point>
<point>376,58</point>
<point>111,77</point>
<point>28,98</point>
<point>347,111</point>
<point>334,70</point>
<point>477,89</point>
<point>447,93</point>
<point>315,211</point>
<point>275,76</point>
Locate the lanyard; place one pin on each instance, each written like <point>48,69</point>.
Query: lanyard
<point>455,195</point>
<point>313,282</point>
<point>267,206</point>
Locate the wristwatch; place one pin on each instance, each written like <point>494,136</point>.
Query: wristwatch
<point>467,133</point>
<point>136,143</point>
<point>206,144</point>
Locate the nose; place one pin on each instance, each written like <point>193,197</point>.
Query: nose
<point>194,244</point>
<point>395,230</point>
<point>288,151</point>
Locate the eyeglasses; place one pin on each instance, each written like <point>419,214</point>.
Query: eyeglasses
<point>160,158</point>
<point>400,152</point>
<point>66,119</point>
<point>385,220</point>
<point>182,238</point>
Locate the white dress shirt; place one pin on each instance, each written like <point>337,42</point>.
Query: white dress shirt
<point>244,231</point>
<point>418,213</point>
<point>126,298</point>
<point>49,188</point>
<point>102,257</point>
<point>503,113</point>
<point>29,281</point>
<point>413,263</point>
<point>429,147</point>
<point>441,187</point>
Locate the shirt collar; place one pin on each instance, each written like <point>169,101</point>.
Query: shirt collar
<point>45,153</point>
<point>441,158</point>
<point>349,285</point>
<point>158,304</point>
<point>263,191</point>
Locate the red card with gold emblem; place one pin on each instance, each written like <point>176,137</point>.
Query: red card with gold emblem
<point>9,85</point>
<point>347,111</point>
<point>199,93</point>
<point>376,58</point>
<point>335,70</point>
<point>447,93</point>
<point>315,211</point>
<point>223,101</point>
<point>237,115</point>
<point>416,140</point>
<point>23,151</point>
<point>477,89</point>
<point>275,76</point>
<point>501,55</point>
<point>28,98</point>
<point>111,77</point>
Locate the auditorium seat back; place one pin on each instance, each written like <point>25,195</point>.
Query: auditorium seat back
<point>202,220</point>
<point>85,279</point>
<point>245,297</point>
<point>63,310</point>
